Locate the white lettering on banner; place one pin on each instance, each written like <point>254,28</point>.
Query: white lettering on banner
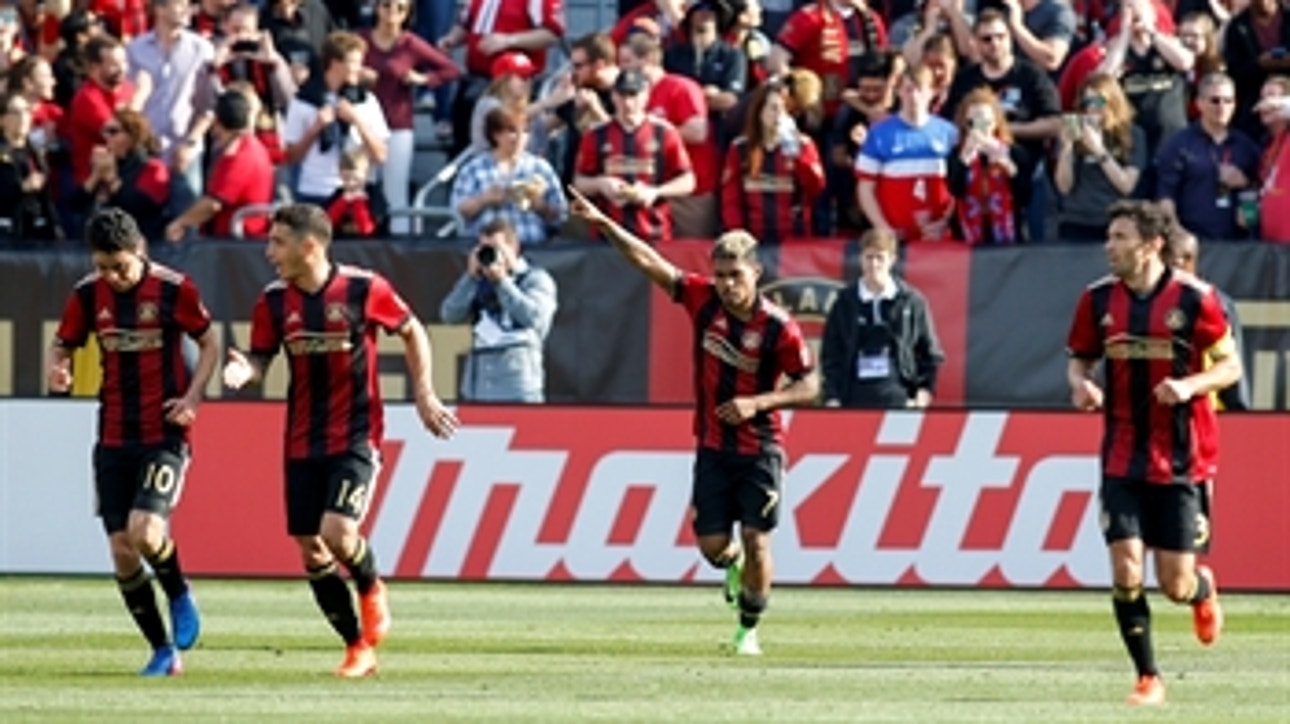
<point>801,480</point>
<point>653,554</point>
<point>1023,560</point>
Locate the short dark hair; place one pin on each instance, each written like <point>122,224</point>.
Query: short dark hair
<point>598,46</point>
<point>1149,218</point>
<point>97,45</point>
<point>305,220</point>
<point>111,230</point>
<point>875,64</point>
<point>990,15</point>
<point>498,225</point>
<point>233,111</point>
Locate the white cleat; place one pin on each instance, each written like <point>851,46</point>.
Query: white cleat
<point>746,642</point>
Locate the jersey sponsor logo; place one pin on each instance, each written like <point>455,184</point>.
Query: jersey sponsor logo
<point>626,165</point>
<point>130,340</point>
<point>302,343</point>
<point>1131,347</point>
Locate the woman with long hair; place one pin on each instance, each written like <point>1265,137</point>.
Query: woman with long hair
<point>127,172</point>
<point>773,172</point>
<point>984,174</point>
<point>1100,157</point>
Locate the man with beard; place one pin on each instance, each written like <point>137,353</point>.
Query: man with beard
<point>104,91</point>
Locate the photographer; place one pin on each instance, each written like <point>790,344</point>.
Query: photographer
<point>510,305</point>
<point>330,116</point>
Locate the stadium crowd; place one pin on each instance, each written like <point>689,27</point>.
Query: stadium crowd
<point>981,121</point>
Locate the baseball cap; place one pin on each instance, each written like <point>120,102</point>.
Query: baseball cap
<point>513,64</point>
<point>631,82</point>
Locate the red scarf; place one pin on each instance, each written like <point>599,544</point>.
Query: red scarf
<point>987,205</point>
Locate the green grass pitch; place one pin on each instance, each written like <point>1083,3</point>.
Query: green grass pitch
<point>502,652</point>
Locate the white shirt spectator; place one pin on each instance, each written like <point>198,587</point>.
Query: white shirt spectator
<point>320,170</point>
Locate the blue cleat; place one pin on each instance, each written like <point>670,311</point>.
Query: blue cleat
<point>185,620</point>
<point>165,661</point>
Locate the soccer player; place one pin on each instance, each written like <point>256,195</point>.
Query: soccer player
<point>139,311</point>
<point>743,346</point>
<point>1153,326</point>
<point>325,316</point>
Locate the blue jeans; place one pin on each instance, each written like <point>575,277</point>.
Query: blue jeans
<point>433,21</point>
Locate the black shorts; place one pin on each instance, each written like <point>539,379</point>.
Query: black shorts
<point>1170,517</point>
<point>333,484</point>
<point>730,488</point>
<point>137,477</point>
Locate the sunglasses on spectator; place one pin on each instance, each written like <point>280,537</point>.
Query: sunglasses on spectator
<point>992,37</point>
<point>1093,102</point>
<point>1221,100</point>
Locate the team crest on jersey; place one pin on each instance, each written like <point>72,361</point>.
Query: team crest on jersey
<point>752,339</point>
<point>1175,319</point>
<point>147,312</point>
<point>335,312</point>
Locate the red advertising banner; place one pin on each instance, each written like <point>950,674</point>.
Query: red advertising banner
<point>979,499</point>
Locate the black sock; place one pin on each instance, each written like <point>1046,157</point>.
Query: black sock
<point>751,606</point>
<point>725,558</point>
<point>335,600</point>
<point>141,602</point>
<point>1202,591</point>
<point>165,564</point>
<point>362,567</point>
<point>1134,617</point>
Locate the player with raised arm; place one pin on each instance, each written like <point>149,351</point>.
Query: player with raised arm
<point>1153,328</point>
<point>140,312</point>
<point>744,346</point>
<point>325,316</point>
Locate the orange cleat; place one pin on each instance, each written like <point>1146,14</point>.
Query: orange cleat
<point>374,609</point>
<point>1207,615</point>
<point>1149,691</point>
<point>360,661</point>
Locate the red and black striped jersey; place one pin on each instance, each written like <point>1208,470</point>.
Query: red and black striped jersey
<point>772,202</point>
<point>333,400</point>
<point>738,358</point>
<point>1144,339</point>
<point>140,335</point>
<point>652,154</point>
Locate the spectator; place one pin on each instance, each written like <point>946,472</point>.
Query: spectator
<point>354,212</point>
<point>827,37</point>
<point>744,31</point>
<point>299,29</point>
<point>171,65</point>
<point>508,183</point>
<point>511,88</point>
<point>1274,169</point>
<point>1042,30</point>
<point>11,47</point>
<point>865,106</point>
<point>1100,157</point>
<point>985,175</point>
<point>593,68</point>
<point>33,78</point>
<point>938,54</point>
<point>209,21</point>
<point>773,172</point>
<point>879,348</point>
<point>244,54</point>
<point>1254,47</point>
<point>944,19</point>
<point>1197,33</point>
<point>1152,67</point>
<point>125,172</point>
<point>1203,166</point>
<point>489,28</point>
<point>679,100</point>
<point>510,305</point>
<point>70,67</point>
<point>331,114</point>
<point>720,69</point>
<point>242,174</point>
<point>27,212</point>
<point>635,164</point>
<point>432,20</point>
<point>105,90</point>
<point>660,18</point>
<point>902,166</point>
<point>402,63</point>
<point>1029,103</point>
<point>124,19</point>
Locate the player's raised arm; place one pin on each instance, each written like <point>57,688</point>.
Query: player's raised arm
<point>641,255</point>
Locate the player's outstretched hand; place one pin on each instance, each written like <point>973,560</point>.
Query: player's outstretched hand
<point>581,207</point>
<point>737,410</point>
<point>1087,396</point>
<point>237,370</point>
<point>60,377</point>
<point>180,411</point>
<point>438,419</point>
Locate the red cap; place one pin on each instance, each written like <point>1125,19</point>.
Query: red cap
<point>513,64</point>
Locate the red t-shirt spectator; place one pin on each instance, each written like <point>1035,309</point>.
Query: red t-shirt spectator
<point>125,19</point>
<point>824,41</point>
<point>678,99</point>
<point>1274,204</point>
<point>92,106</point>
<point>645,18</point>
<point>486,17</point>
<point>241,176</point>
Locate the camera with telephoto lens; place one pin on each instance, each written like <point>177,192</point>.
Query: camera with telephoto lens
<point>486,255</point>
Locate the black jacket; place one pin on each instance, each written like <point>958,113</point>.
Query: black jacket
<point>26,217</point>
<point>918,352</point>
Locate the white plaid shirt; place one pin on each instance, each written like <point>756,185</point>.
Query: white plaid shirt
<point>482,172</point>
